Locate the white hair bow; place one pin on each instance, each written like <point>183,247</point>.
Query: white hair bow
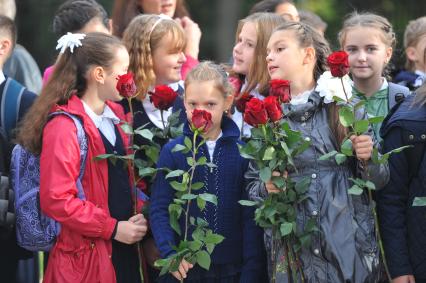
<point>70,40</point>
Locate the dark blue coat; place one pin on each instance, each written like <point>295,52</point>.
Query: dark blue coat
<point>403,227</point>
<point>243,244</point>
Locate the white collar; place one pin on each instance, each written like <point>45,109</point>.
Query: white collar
<point>97,119</point>
<point>301,98</point>
<point>420,79</point>
<point>2,77</point>
<point>385,85</point>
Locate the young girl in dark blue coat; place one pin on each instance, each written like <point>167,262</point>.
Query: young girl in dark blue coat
<point>240,257</point>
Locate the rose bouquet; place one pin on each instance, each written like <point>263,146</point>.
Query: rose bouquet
<point>272,147</point>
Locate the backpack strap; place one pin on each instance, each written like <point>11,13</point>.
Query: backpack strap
<point>10,102</point>
<point>396,93</point>
<point>82,141</point>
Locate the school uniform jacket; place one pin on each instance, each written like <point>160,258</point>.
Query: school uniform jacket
<point>82,252</point>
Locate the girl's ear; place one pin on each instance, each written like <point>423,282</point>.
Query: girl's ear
<point>98,74</point>
<point>389,51</point>
<point>410,52</point>
<point>5,46</point>
<point>309,55</point>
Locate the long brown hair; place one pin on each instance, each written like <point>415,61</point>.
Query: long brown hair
<point>258,74</point>
<point>125,10</point>
<point>68,77</point>
<point>141,39</point>
<point>414,31</point>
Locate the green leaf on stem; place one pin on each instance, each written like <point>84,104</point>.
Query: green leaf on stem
<point>265,174</point>
<point>247,202</point>
<point>202,160</point>
<point>360,104</point>
<point>355,190</point>
<point>152,152</point>
<point>340,158</point>
<point>370,185</point>
<point>210,248</point>
<point>278,181</point>
<point>197,186</point>
<point>328,155</point>
<point>195,245</point>
<point>175,173</point>
<point>188,197</point>
<point>377,158</point>
<point>338,99</point>
<point>145,133</point>
<point>212,238</point>
<point>127,129</point>
<point>203,259</point>
<point>361,126</point>
<point>269,153</point>
<point>178,186</point>
<point>147,171</point>
<point>286,228</point>
<point>419,201</point>
<point>201,203</point>
<point>346,148</point>
<point>104,156</point>
<point>188,143</point>
<point>346,116</point>
<point>178,147</point>
<point>302,186</point>
<point>209,198</point>
<point>376,120</point>
<point>190,161</point>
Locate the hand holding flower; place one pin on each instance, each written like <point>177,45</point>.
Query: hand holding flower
<point>184,267</point>
<point>363,146</point>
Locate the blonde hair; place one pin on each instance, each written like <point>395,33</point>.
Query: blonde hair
<point>209,71</point>
<point>264,24</point>
<point>413,32</point>
<point>307,36</point>
<point>141,38</point>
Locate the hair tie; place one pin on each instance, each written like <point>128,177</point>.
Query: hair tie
<point>161,17</point>
<point>69,40</point>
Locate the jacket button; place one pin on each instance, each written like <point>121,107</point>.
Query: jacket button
<point>316,251</point>
<point>308,139</point>
<point>423,137</point>
<point>411,137</point>
<point>315,213</point>
<point>314,176</point>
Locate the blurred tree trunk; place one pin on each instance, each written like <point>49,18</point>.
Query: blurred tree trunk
<point>227,20</point>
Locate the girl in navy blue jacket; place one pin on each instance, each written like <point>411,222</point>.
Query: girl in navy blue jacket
<point>240,257</point>
<point>403,225</point>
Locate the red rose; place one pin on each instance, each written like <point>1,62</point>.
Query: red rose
<point>338,63</point>
<point>163,97</point>
<point>126,85</point>
<point>201,120</point>
<point>240,102</point>
<point>273,108</point>
<point>280,89</point>
<point>255,113</point>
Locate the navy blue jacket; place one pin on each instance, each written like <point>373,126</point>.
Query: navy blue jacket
<point>403,227</point>
<point>243,244</point>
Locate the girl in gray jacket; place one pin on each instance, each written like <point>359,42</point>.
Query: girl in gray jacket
<point>344,249</point>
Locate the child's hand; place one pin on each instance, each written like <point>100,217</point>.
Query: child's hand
<point>193,35</point>
<point>183,270</point>
<point>138,219</point>
<point>129,232</point>
<point>404,279</point>
<point>270,187</point>
<point>363,146</point>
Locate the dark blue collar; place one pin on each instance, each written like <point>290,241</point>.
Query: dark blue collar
<point>229,129</point>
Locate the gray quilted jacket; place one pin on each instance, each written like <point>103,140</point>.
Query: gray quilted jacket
<point>345,248</point>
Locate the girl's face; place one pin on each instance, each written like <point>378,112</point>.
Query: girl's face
<point>167,7</point>
<point>417,54</point>
<point>288,11</point>
<point>368,54</point>
<point>167,65</point>
<point>243,52</point>
<point>119,67</point>
<point>285,57</point>
<point>205,96</point>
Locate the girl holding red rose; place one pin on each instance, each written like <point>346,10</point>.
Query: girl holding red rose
<point>240,257</point>
<point>344,249</point>
<point>249,66</point>
<point>369,41</point>
<point>155,44</point>
<point>97,234</point>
